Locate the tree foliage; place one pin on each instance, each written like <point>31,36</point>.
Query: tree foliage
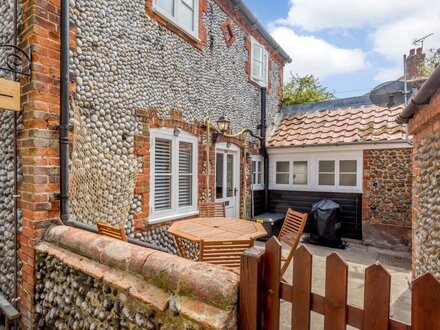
<point>304,90</point>
<point>431,62</point>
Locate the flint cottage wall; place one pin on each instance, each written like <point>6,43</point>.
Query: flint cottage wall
<point>425,126</point>
<point>7,228</point>
<point>128,62</point>
<point>387,198</point>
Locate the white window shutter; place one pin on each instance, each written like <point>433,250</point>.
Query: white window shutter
<point>185,173</point>
<point>163,176</point>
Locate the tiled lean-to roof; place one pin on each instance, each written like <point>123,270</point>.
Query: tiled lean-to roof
<point>308,125</point>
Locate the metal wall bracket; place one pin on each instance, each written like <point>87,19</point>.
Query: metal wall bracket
<point>17,60</point>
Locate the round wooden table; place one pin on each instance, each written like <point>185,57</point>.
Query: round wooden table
<point>216,229</point>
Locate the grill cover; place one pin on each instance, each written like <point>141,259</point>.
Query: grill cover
<point>326,227</point>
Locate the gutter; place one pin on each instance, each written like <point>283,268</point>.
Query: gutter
<point>260,28</point>
<point>421,98</point>
<point>342,144</point>
<point>64,113</point>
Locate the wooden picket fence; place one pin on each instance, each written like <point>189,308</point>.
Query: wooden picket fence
<point>261,290</point>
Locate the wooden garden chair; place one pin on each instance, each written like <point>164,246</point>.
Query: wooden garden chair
<point>212,210</point>
<point>226,253</point>
<point>110,231</point>
<point>290,233</point>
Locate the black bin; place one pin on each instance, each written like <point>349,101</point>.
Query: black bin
<point>326,224</point>
<point>272,222</point>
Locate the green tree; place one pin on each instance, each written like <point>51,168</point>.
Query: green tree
<point>431,62</point>
<point>305,89</point>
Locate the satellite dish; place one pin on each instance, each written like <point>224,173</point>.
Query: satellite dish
<point>389,94</point>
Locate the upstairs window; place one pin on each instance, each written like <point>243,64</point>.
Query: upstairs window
<point>173,175</point>
<point>257,173</point>
<point>260,64</point>
<point>182,13</point>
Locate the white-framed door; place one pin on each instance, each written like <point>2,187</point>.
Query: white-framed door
<point>227,178</point>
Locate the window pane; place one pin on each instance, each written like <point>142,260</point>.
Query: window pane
<point>347,166</point>
<point>254,178</point>
<point>326,179</point>
<point>327,166</point>
<point>219,176</point>
<point>257,68</point>
<point>348,180</point>
<point>260,178</point>
<point>162,155</point>
<point>282,178</point>
<point>257,53</point>
<point>300,167</point>
<point>300,178</point>
<point>187,17</point>
<point>254,166</point>
<point>282,167</point>
<point>185,190</point>
<point>162,192</point>
<point>230,176</point>
<point>185,157</point>
<point>167,6</point>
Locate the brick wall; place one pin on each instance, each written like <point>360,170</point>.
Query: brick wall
<point>425,126</point>
<point>38,140</point>
<point>386,199</point>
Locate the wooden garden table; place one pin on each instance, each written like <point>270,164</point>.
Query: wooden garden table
<point>215,229</point>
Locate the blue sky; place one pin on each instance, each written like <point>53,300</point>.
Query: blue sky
<point>350,45</point>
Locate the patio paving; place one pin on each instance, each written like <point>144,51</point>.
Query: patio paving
<point>358,257</point>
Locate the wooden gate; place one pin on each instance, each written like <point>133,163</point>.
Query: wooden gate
<point>261,290</point>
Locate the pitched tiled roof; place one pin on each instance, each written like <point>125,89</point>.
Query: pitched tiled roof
<point>339,126</point>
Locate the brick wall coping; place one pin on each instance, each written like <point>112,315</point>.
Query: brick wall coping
<point>207,294</point>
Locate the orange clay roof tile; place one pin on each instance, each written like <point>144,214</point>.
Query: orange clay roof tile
<point>348,125</point>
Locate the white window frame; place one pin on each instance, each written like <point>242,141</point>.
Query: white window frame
<point>176,20</point>
<point>175,212</point>
<point>262,79</point>
<point>337,186</point>
<point>260,169</point>
<point>313,171</point>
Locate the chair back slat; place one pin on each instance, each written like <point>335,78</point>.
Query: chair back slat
<point>110,231</point>
<point>291,232</point>
<point>226,253</point>
<point>293,227</point>
<point>212,210</point>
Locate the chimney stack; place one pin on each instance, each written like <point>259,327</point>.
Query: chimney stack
<point>414,63</point>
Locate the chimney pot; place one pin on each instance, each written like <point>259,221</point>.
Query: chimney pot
<point>412,52</point>
<point>419,51</point>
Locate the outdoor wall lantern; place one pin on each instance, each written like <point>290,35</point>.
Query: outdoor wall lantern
<point>224,125</point>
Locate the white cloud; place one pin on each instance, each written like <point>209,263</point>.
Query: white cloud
<point>389,73</point>
<point>316,15</point>
<point>392,25</point>
<point>315,56</point>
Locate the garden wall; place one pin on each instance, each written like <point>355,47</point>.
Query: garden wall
<point>386,209</point>
<point>426,184</point>
<point>87,281</point>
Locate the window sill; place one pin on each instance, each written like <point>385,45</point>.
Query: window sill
<point>257,187</point>
<point>178,216</point>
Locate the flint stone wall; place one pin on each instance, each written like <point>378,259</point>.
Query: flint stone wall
<point>87,281</point>
<point>123,60</point>
<point>427,190</point>
<point>6,164</point>
<point>387,198</point>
